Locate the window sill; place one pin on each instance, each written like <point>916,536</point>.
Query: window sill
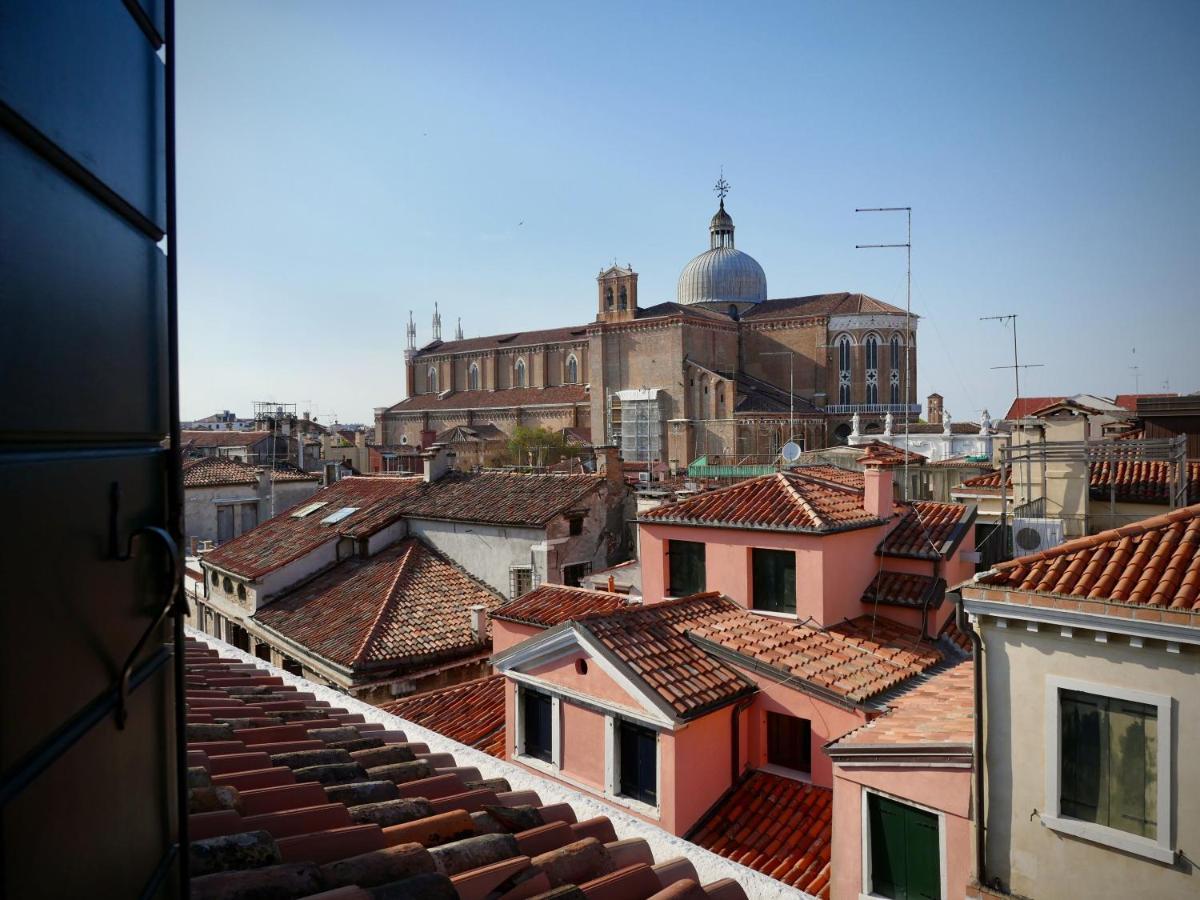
<point>637,806</point>
<point>1111,837</point>
<point>774,615</point>
<point>785,772</point>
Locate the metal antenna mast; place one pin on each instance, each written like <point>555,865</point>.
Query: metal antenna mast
<point>1016,366</point>
<point>907,245</point>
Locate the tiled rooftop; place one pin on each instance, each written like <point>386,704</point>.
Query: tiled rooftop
<point>929,530</point>
<point>571,333</point>
<point>938,712</point>
<point>791,501</point>
<point>501,399</point>
<point>284,538</point>
<point>202,438</point>
<point>548,605</point>
<point>501,498</point>
<point>1130,401</point>
<point>652,642</point>
<point>905,589</point>
<point>287,472</point>
<point>290,797</point>
<point>1151,563</point>
<point>218,471</point>
<point>839,304</point>
<point>1024,406</point>
<point>886,454</point>
<point>1135,481</point>
<point>779,826</point>
<point>471,713</point>
<point>405,606</point>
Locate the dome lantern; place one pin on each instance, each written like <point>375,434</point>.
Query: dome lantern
<point>722,274</point>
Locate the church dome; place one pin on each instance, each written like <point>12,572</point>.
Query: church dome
<point>722,273</point>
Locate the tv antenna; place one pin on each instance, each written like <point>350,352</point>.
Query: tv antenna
<point>1016,364</point>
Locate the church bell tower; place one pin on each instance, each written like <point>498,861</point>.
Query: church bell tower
<point>617,294</point>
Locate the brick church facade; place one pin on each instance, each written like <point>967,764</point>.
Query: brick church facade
<point>705,374</point>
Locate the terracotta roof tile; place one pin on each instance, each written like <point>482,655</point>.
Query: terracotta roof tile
<point>548,605</point>
<point>1025,406</point>
<point>211,438</point>
<point>905,589</point>
<point>282,472</point>
<point>929,530</point>
<point>557,395</point>
<point>886,454</point>
<point>470,713</point>
<point>301,808</point>
<point>839,304</point>
<point>939,711</point>
<point>790,500</point>
<point>501,498</point>
<point>568,334</point>
<point>1154,563</point>
<point>776,825</point>
<point>218,471</point>
<point>1136,481</point>
<point>405,606</point>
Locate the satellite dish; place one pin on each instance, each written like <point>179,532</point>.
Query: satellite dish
<point>791,452</point>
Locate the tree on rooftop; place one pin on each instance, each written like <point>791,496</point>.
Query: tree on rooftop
<point>537,446</point>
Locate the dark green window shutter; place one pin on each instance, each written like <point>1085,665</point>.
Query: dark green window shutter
<point>774,580</point>
<point>905,853</point>
<point>922,866</point>
<point>539,731</point>
<point>686,568</point>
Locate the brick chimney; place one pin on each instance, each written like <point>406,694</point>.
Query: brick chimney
<point>438,459</point>
<point>608,463</point>
<point>933,409</point>
<point>877,493</point>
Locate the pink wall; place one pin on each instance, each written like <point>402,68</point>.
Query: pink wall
<point>945,790</point>
<point>583,744</point>
<point>595,683</point>
<point>507,634</point>
<point>695,769</point>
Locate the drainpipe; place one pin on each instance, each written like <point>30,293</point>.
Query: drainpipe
<point>960,619</point>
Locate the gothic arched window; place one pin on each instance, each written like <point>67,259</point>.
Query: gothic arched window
<point>608,298</point>
<point>519,374</point>
<point>895,376</point>
<point>431,379</point>
<point>572,369</point>
<point>871,345</point>
<point>473,377</point>
<point>624,298</point>
<point>843,345</point>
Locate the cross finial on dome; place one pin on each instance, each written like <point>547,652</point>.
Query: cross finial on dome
<point>721,188</point>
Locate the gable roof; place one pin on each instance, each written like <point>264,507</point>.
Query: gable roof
<point>405,606</point>
<point>568,334</point>
<point>471,713</point>
<point>218,471</point>
<point>928,530</point>
<point>778,826</point>
<point>1130,401</point>
<point>206,438</point>
<point>886,454</point>
<point>782,501</point>
<point>557,395</point>
<point>284,538</point>
<point>1151,563</point>
<point>283,471</point>
<point>501,498</point>
<point>1025,406</point>
<point>1131,480</point>
<point>548,605</point>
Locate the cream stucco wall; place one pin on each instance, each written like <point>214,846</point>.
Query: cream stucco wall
<point>1029,857</point>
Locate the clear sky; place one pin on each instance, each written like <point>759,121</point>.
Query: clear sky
<point>342,163</point>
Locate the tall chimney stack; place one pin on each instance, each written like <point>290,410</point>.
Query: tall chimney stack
<point>877,489</point>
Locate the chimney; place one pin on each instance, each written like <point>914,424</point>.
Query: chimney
<point>608,464</point>
<point>360,438</point>
<point>438,459</point>
<point>612,584</point>
<point>299,451</point>
<point>478,622</point>
<point>326,445</point>
<point>933,409</point>
<point>877,492</point>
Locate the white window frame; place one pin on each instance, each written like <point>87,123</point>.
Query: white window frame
<point>612,766</point>
<point>555,763</point>
<point>1159,849</point>
<point>865,892</point>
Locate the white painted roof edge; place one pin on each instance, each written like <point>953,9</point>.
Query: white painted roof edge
<point>709,866</point>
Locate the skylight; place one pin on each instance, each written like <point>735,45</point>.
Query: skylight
<point>343,513</point>
<point>308,509</point>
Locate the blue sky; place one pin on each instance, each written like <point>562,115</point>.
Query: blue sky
<point>343,163</point>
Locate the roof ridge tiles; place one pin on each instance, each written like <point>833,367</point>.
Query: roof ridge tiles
<point>389,599</point>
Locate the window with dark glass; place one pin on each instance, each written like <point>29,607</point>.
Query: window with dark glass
<point>638,749</point>
<point>1108,762</point>
<point>789,742</point>
<point>686,570</point>
<point>537,729</point>
<point>905,860</point>
<point>774,580</point>
<point>576,525</point>
<point>573,575</point>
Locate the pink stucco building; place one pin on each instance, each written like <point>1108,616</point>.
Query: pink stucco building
<point>779,615</point>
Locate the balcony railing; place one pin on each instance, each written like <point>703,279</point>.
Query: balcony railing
<point>874,409</point>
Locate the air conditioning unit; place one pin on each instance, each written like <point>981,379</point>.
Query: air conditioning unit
<point>1034,535</point>
<point>644,477</point>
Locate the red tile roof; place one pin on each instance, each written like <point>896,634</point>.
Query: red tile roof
<point>471,713</point>
<point>778,826</point>
<point>839,304</point>
<point>282,472</point>
<point>886,454</point>
<point>651,642</point>
<point>1129,401</point>
<point>929,530</point>
<point>987,483</point>
<point>548,605</point>
<point>284,538</point>
<point>568,334</point>
<point>905,589</point>
<point>939,712</point>
<point>853,661</point>
<point>405,606</point>
<point>559,395</point>
<point>848,477</point>
<point>1024,406</point>
<point>289,796</point>
<point>1136,481</point>
<point>1152,563</point>
<point>218,471</point>
<point>207,438</point>
<point>501,498</point>
<point>784,501</point>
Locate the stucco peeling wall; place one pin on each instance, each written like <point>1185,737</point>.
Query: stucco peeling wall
<point>709,866</point>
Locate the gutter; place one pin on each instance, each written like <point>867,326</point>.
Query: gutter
<point>964,625</point>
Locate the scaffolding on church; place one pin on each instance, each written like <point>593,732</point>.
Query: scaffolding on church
<point>635,424</point>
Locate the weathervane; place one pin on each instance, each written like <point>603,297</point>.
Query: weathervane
<point>721,188</point>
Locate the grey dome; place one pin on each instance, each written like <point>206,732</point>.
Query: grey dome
<point>722,273</point>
